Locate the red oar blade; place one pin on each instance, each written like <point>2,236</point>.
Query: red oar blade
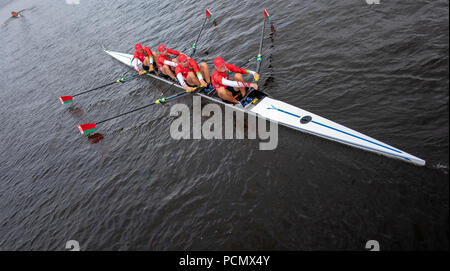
<point>208,14</point>
<point>266,15</point>
<point>86,128</point>
<point>66,99</point>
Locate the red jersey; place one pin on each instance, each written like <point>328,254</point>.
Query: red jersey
<point>193,66</point>
<point>147,53</point>
<point>182,72</point>
<point>222,79</point>
<point>161,58</point>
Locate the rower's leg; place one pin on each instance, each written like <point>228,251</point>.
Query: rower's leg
<point>167,71</point>
<point>147,63</point>
<point>192,79</point>
<point>155,57</point>
<point>204,69</point>
<point>238,77</point>
<point>226,95</point>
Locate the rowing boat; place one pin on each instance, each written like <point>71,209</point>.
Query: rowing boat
<point>263,105</point>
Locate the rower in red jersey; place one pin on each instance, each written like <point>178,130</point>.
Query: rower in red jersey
<point>143,59</point>
<point>165,64</point>
<point>189,74</point>
<point>14,15</point>
<point>224,86</point>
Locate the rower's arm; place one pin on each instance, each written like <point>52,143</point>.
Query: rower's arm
<point>196,69</point>
<point>149,53</point>
<point>170,63</point>
<point>250,72</point>
<point>181,80</point>
<point>243,71</point>
<point>199,75</point>
<point>238,70</point>
<point>173,52</point>
<point>135,63</point>
<point>235,84</point>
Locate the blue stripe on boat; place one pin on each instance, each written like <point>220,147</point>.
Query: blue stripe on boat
<point>329,127</point>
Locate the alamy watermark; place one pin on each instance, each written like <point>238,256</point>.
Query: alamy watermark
<point>73,245</point>
<point>371,2</point>
<point>72,2</point>
<point>212,128</point>
<point>373,245</point>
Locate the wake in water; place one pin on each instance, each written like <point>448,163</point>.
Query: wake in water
<point>440,167</point>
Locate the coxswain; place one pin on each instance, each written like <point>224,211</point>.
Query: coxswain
<point>143,59</point>
<point>165,64</point>
<point>224,86</point>
<point>190,75</point>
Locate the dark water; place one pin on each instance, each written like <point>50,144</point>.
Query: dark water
<point>382,70</point>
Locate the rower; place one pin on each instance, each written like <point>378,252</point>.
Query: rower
<point>13,16</point>
<point>189,74</point>
<point>224,86</point>
<point>143,59</point>
<point>165,64</point>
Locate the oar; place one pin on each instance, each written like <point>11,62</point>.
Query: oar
<point>259,57</point>
<point>69,99</point>
<point>194,46</point>
<point>91,127</point>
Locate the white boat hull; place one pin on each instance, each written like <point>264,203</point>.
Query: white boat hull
<point>291,116</point>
